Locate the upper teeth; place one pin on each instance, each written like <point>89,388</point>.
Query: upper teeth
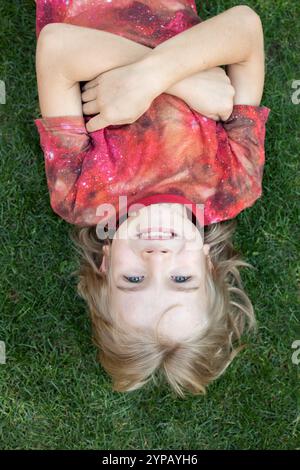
<point>155,234</point>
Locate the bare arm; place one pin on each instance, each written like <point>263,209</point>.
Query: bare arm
<point>87,53</point>
<point>233,38</point>
<point>67,54</point>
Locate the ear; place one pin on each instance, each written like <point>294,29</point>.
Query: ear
<point>104,264</point>
<point>211,266</point>
<point>206,248</point>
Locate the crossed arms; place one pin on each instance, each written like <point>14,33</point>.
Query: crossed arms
<point>67,55</point>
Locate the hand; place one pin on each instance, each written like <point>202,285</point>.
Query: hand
<point>120,95</point>
<point>208,92</point>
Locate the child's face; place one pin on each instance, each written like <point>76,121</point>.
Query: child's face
<point>146,273</point>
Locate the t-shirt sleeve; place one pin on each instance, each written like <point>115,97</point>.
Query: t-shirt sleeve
<point>245,129</point>
<point>65,143</point>
<point>241,158</point>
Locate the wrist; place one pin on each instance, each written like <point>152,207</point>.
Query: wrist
<point>162,72</point>
<point>179,89</point>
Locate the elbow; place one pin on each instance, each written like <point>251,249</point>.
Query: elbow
<point>49,51</point>
<point>248,16</point>
<point>252,27</point>
<point>51,30</point>
<point>50,42</point>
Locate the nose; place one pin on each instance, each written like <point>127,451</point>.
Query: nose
<point>156,248</point>
<point>154,255</point>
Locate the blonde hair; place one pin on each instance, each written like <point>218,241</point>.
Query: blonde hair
<point>132,357</point>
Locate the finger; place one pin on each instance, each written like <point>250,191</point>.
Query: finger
<point>215,117</point>
<point>96,124</point>
<point>91,107</point>
<point>89,95</point>
<point>226,115</point>
<point>90,84</point>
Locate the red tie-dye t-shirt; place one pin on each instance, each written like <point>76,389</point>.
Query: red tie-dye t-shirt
<point>171,149</point>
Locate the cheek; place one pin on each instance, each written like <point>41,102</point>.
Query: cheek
<point>120,250</point>
<point>192,257</point>
<point>121,255</point>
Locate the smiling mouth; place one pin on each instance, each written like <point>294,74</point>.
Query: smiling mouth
<point>157,234</point>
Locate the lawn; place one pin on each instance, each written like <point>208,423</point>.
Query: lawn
<point>53,393</point>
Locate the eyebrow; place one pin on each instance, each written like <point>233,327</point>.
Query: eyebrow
<point>139,288</point>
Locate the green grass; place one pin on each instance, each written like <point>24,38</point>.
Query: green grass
<point>53,394</point>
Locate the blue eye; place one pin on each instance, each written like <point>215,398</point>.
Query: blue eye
<point>134,279</point>
<point>138,279</point>
<point>179,279</point>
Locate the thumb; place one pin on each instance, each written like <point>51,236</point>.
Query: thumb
<point>96,124</point>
